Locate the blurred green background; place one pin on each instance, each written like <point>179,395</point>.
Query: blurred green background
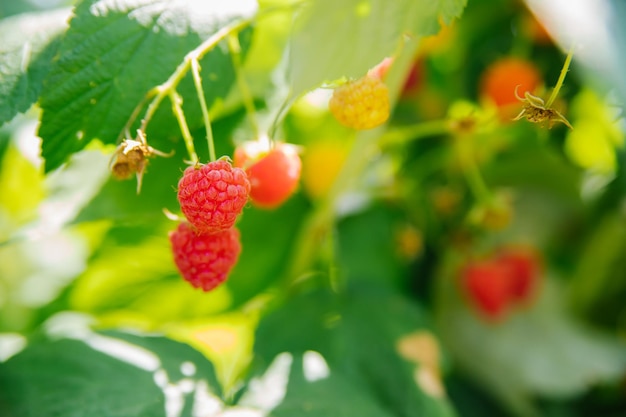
<point>366,255</point>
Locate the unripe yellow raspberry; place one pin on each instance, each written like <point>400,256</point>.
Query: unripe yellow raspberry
<point>361,104</point>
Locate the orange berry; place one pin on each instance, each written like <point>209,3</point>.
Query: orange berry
<point>500,81</point>
<point>322,162</point>
<point>273,173</point>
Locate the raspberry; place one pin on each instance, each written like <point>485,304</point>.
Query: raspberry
<point>361,104</point>
<point>506,279</point>
<point>205,260</point>
<point>211,196</point>
<point>488,286</point>
<point>273,174</point>
<point>524,270</point>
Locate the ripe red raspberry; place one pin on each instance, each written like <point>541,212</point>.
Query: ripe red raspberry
<point>524,270</point>
<point>211,196</point>
<point>205,260</point>
<point>361,104</point>
<point>488,286</point>
<point>273,173</point>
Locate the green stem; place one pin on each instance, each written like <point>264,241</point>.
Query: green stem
<point>195,71</point>
<point>165,89</point>
<point>559,83</point>
<point>159,92</point>
<point>235,53</point>
<point>280,115</point>
<point>401,135</point>
<point>177,109</point>
<point>470,170</point>
<point>135,113</point>
<point>319,222</point>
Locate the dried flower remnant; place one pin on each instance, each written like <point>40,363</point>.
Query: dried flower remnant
<point>536,111</point>
<point>131,157</point>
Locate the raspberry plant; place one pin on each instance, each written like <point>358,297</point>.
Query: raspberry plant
<point>311,207</point>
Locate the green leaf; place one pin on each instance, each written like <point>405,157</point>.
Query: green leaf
<point>362,33</point>
<point>302,385</point>
<point>114,375</point>
<point>69,378</point>
<point>173,355</point>
<point>360,334</point>
<point>267,239</point>
<point>368,235</point>
<point>549,172</point>
<point>594,277</point>
<point>131,275</point>
<point>112,54</point>
<point>27,44</point>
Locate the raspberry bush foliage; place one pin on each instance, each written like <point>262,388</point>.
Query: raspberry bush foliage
<point>312,207</point>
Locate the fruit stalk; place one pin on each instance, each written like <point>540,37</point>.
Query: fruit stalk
<point>235,53</point>
<point>177,109</point>
<point>163,90</point>
<point>320,220</point>
<point>471,171</point>
<point>561,79</point>
<point>197,80</point>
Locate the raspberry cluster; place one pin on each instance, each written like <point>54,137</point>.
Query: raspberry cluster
<point>207,246</point>
<point>507,279</point>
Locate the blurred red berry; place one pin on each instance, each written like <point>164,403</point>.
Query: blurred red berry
<point>487,285</point>
<point>414,79</point>
<point>524,269</point>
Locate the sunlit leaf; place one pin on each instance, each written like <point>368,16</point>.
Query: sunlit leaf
<point>302,384</point>
<point>116,375</point>
<point>18,174</point>
<point>338,327</point>
<point>137,278</point>
<point>112,54</point>
<point>28,43</point>
<point>363,33</point>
